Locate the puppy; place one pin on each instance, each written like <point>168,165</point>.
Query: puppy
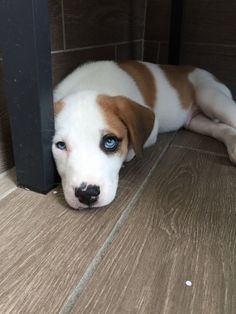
<point>107,112</point>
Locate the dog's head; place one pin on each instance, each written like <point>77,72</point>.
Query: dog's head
<point>94,135</point>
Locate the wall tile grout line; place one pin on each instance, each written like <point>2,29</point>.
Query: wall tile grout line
<point>142,50</point>
<point>91,269</point>
<point>209,44</point>
<point>143,47</point>
<point>95,46</point>
<point>63,24</point>
<point>199,150</point>
<point>116,52</point>
<point>156,41</point>
<point>193,43</point>
<point>151,41</point>
<point>158,52</point>
<point>145,19</point>
<point>144,28</point>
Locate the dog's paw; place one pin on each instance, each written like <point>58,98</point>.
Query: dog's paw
<point>231,147</point>
<point>130,155</point>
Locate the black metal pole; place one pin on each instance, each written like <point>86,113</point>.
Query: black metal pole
<point>26,49</point>
<point>175,31</point>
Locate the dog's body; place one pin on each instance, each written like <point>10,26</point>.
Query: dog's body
<point>106,112</point>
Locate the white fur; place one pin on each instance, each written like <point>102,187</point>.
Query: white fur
<point>105,77</point>
<point>168,108</point>
<point>81,123</point>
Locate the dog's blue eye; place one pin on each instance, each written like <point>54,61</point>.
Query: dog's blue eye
<point>61,145</point>
<point>110,143</point>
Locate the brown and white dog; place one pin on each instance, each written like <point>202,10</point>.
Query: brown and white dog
<point>106,112</point>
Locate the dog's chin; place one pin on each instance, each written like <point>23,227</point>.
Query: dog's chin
<point>106,196</point>
<point>76,204</point>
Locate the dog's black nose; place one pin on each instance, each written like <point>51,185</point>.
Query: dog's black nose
<point>87,194</point>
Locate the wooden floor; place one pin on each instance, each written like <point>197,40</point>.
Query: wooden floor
<point>173,221</point>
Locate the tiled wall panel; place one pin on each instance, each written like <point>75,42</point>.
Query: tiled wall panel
<point>208,21</point>
<point>92,22</point>
<point>157,20</point>
<point>131,50</point>
<point>151,51</point>
<point>56,24</point>
<point>208,35</point>
<point>63,63</point>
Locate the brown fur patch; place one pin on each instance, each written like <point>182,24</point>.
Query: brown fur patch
<point>126,117</point>
<point>178,78</point>
<point>116,126</point>
<point>143,78</point>
<point>58,106</point>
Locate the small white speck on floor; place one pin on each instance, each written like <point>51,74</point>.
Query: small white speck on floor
<point>54,192</point>
<point>188,283</point>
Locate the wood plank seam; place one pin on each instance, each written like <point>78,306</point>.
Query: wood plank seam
<point>92,267</point>
<point>198,150</point>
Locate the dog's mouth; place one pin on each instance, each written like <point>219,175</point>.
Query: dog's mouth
<point>87,195</point>
<point>81,203</point>
<point>88,204</point>
<point>89,207</point>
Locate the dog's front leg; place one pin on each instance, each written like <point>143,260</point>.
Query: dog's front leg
<point>130,155</point>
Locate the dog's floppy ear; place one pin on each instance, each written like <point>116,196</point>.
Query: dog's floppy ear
<point>57,106</point>
<point>138,120</point>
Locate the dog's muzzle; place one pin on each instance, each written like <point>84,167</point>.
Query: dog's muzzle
<point>87,194</point>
